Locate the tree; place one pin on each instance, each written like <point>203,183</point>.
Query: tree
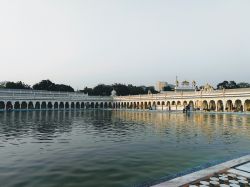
<point>232,85</point>
<point>223,85</point>
<point>227,85</point>
<point>243,85</point>
<point>122,89</point>
<point>102,89</point>
<point>17,85</point>
<point>44,85</point>
<point>50,86</point>
<point>151,89</point>
<point>63,88</point>
<point>168,88</point>
<point>87,90</point>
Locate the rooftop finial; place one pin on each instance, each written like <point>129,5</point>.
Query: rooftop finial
<point>177,82</point>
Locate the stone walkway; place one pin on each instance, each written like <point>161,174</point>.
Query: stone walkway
<point>230,178</point>
<point>234,173</point>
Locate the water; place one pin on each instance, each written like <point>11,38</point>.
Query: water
<point>112,148</point>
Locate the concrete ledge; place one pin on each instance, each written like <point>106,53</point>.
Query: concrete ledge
<point>186,179</point>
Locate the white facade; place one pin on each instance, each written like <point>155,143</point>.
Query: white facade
<point>208,100</point>
<point>34,99</point>
<point>160,86</point>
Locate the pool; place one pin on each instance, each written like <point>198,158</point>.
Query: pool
<point>113,148</point>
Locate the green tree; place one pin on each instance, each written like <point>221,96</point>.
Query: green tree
<point>121,90</point>
<point>17,85</point>
<point>168,88</point>
<point>243,85</point>
<point>227,85</point>
<point>102,90</point>
<point>87,90</point>
<point>50,86</point>
<point>44,85</point>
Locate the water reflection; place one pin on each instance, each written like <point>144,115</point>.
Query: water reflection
<point>40,125</point>
<point>205,124</point>
<point>112,148</point>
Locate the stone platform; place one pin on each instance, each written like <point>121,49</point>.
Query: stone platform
<point>233,173</point>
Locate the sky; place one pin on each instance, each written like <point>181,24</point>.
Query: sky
<point>87,42</point>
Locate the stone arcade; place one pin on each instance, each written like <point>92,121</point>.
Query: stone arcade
<point>208,100</point>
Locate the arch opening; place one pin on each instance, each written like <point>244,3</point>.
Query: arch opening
<point>56,105</point>
<point>78,106</point>
<point>205,105</point>
<point>67,105</point>
<point>82,105</point>
<point>238,106</point>
<point>17,105</point>
<point>24,105</point>
<point>61,105</point>
<point>30,105</point>
<point>229,106</point>
<point>43,105</point>
<point>9,105</point>
<point>37,105</point>
<point>2,105</point>
<point>50,106</point>
<point>247,105</point>
<point>212,105</point>
<point>220,106</point>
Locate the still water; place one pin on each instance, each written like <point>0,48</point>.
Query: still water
<point>112,148</point>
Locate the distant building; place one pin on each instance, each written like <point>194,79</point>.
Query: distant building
<point>160,86</point>
<point>185,86</point>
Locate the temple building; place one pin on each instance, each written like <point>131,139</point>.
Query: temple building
<point>185,86</point>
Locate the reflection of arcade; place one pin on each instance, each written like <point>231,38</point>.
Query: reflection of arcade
<point>199,123</point>
<point>44,125</point>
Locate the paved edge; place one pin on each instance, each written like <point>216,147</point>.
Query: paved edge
<point>179,181</point>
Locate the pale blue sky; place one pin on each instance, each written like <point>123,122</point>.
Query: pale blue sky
<point>86,42</point>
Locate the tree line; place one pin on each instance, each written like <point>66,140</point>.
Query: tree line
<point>121,90</point>
<point>105,90</point>
<point>42,85</point>
<point>232,85</point>
<point>99,90</point>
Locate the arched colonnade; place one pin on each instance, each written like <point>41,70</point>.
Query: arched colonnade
<point>228,105</point>
<point>46,105</point>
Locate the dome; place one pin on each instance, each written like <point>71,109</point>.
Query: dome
<point>113,93</point>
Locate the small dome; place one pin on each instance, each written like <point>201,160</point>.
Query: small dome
<point>113,93</point>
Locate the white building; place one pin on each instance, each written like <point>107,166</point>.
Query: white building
<point>160,86</point>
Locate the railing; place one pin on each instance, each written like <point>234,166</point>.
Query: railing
<point>15,94</point>
<point>243,92</point>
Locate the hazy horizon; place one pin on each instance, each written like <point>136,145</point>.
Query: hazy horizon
<point>84,43</point>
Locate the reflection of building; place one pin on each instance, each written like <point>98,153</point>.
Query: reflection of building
<point>161,85</point>
<point>197,123</point>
